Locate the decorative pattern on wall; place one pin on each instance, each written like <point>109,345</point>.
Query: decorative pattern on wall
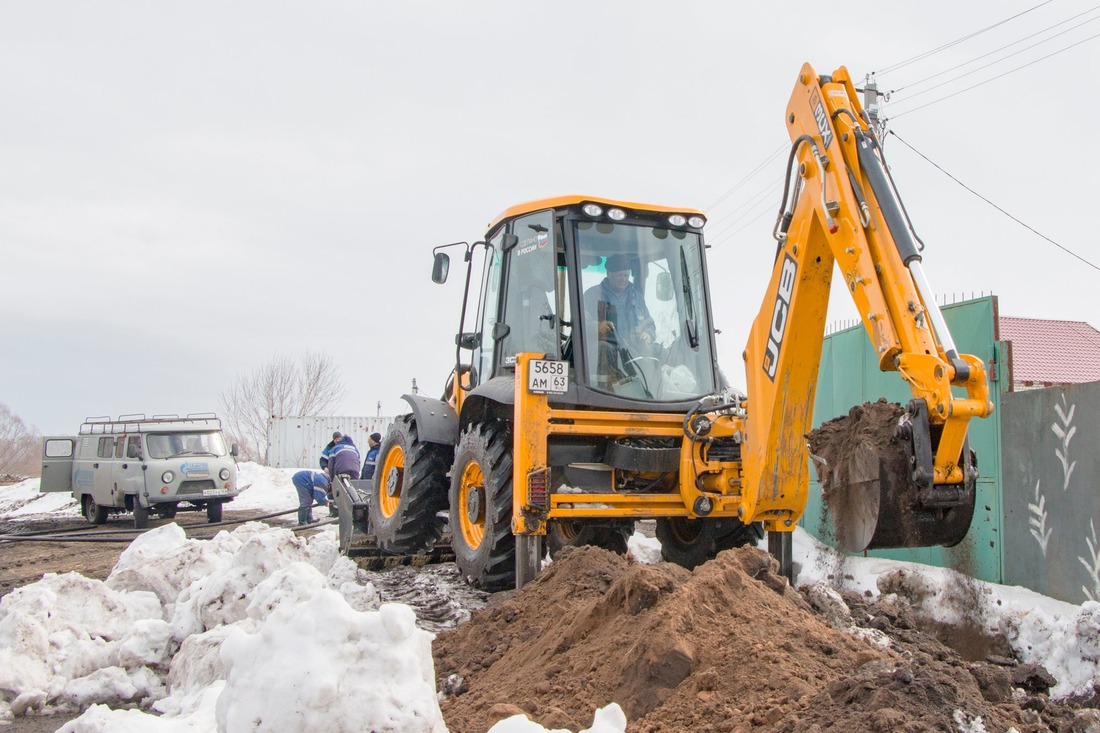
<point>1037,519</point>
<point>1065,432</point>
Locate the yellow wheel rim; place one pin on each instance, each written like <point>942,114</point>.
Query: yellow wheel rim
<point>471,505</point>
<point>393,479</point>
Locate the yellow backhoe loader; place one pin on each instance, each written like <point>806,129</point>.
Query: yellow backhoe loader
<point>586,394</point>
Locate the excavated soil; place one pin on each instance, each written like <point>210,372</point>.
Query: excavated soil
<point>727,647</point>
<point>851,454</point>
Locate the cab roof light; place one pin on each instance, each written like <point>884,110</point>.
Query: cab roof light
<point>677,220</point>
<point>697,222</point>
<point>592,210</point>
<point>616,214</point>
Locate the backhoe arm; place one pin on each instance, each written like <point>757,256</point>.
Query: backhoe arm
<point>839,207</point>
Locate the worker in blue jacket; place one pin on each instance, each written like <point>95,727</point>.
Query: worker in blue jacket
<point>312,486</point>
<point>374,441</point>
<point>342,459</point>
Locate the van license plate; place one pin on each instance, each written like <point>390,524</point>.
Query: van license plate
<point>547,377</point>
<point>212,492</point>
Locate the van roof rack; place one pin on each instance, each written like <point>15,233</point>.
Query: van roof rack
<point>137,422</point>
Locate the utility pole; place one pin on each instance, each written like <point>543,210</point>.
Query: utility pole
<point>415,389</point>
<point>872,105</point>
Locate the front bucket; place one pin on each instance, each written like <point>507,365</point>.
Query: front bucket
<point>867,476</point>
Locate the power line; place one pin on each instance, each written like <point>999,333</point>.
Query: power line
<point>997,61</point>
<point>774,205</point>
<point>1002,48</point>
<point>998,208</point>
<point>746,179</point>
<point>994,78</point>
<point>749,202</point>
<point>957,41</point>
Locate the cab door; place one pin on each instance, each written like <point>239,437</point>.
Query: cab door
<point>104,489</point>
<point>129,474</point>
<point>57,463</point>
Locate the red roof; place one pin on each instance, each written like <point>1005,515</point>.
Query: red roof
<point>1052,352</point>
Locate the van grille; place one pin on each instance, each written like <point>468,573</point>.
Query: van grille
<point>195,487</point>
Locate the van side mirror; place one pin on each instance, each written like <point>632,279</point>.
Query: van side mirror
<point>234,450</point>
<point>664,286</point>
<point>440,267</point>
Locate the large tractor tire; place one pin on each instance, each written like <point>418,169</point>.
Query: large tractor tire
<point>481,507</point>
<point>409,491</point>
<point>691,542</point>
<point>93,512</point>
<point>567,533</point>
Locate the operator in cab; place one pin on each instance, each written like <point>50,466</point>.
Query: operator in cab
<point>622,318</point>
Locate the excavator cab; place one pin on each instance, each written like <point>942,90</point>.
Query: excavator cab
<point>617,291</point>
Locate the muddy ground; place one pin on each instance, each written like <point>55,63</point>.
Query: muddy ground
<point>729,647</point>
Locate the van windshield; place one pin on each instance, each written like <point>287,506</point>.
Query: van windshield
<point>169,445</point>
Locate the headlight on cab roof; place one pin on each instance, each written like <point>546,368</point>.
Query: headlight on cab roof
<point>697,222</point>
<point>616,214</point>
<point>593,210</point>
<point>224,474</point>
<point>677,220</point>
<point>167,477</point>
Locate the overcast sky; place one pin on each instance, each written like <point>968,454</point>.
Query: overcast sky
<point>188,190</point>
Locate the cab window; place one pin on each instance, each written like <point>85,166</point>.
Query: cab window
<point>106,447</point>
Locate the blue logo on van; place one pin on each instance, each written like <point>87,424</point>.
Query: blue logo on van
<point>195,467</point>
<point>83,478</point>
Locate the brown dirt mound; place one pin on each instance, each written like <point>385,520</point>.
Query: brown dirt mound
<point>728,647</point>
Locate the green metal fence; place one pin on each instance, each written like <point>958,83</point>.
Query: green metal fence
<point>850,376</point>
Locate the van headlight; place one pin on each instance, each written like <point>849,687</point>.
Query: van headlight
<point>224,474</point>
<point>167,477</point>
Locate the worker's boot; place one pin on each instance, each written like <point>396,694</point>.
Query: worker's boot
<point>303,516</point>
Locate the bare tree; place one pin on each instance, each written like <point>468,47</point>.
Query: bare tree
<point>18,447</point>
<point>309,386</point>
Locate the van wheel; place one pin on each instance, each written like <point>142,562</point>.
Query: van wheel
<point>214,512</point>
<point>169,511</point>
<point>93,512</point>
<point>141,515</point>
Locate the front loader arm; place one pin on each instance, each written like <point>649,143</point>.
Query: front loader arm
<point>839,208</point>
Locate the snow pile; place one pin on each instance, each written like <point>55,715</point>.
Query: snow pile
<point>23,501</point>
<point>280,628</point>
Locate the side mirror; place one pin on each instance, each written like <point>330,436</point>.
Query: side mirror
<point>234,450</point>
<point>468,340</point>
<point>508,242</point>
<point>440,267</point>
<point>664,286</point>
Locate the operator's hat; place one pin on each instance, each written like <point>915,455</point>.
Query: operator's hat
<point>616,263</point>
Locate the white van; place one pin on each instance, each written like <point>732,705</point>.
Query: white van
<point>143,465</point>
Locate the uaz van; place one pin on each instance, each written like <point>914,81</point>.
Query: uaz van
<point>144,466</point>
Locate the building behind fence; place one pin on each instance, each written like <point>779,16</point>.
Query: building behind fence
<point>297,441</point>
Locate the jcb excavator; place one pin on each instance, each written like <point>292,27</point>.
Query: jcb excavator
<point>586,394</point>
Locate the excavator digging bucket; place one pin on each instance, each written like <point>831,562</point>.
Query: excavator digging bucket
<point>871,463</point>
